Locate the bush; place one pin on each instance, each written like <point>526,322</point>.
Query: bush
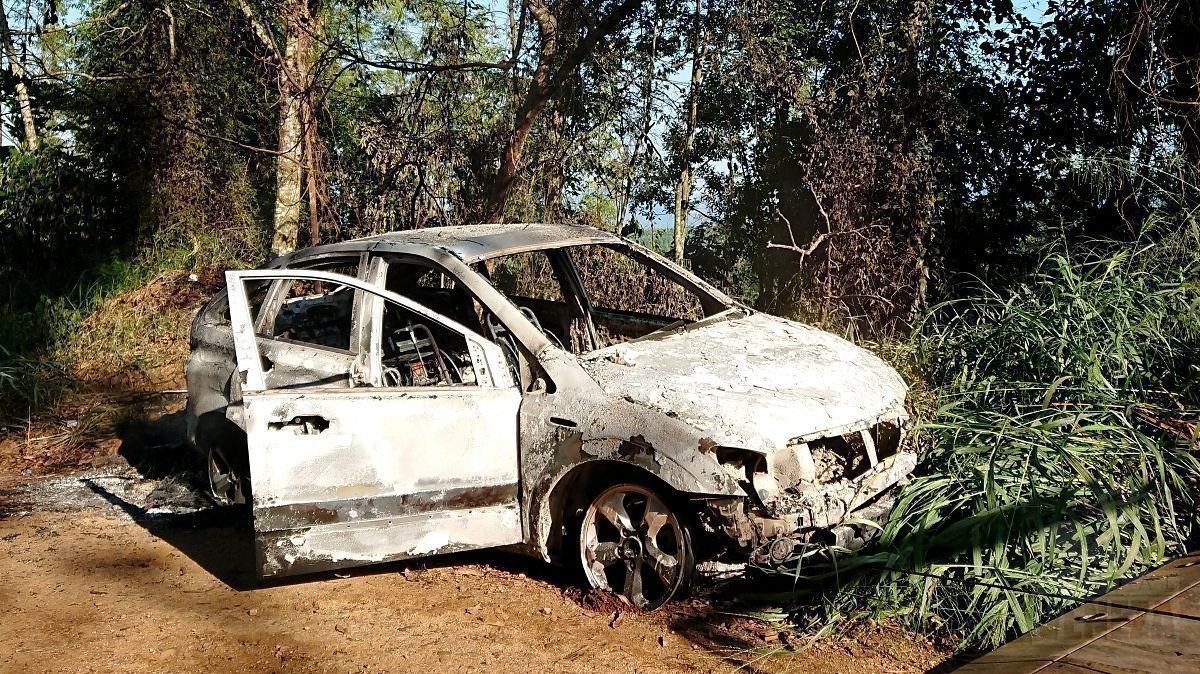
<point>1060,457</point>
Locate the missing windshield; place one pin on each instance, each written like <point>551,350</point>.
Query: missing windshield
<point>629,299</point>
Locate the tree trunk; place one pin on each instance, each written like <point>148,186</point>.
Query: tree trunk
<point>683,187</point>
<point>643,133</point>
<point>683,196</point>
<point>24,103</point>
<point>289,171</point>
<point>556,168</point>
<point>552,71</point>
<point>536,98</point>
<point>314,192</point>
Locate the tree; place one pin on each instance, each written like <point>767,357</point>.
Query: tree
<point>560,54</point>
<point>683,185</point>
<point>293,65</point>
<point>24,102</point>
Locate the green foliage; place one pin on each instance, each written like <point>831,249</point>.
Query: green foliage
<point>54,214</point>
<point>902,153</point>
<point>1122,320</point>
<point>33,327</point>
<point>1060,457</point>
<point>43,324</point>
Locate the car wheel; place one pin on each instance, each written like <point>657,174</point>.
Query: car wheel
<point>228,484</point>
<point>632,543</point>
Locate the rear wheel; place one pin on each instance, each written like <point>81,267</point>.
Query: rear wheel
<point>228,483</point>
<point>632,543</point>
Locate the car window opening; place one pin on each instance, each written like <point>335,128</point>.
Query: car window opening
<point>419,352</point>
<point>315,313</point>
<point>443,294</point>
<point>630,299</point>
<point>530,281</point>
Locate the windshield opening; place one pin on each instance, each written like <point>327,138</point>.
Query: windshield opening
<point>631,298</point>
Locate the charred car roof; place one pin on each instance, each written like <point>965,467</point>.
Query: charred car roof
<point>469,243</point>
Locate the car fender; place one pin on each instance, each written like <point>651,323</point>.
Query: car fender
<point>624,433</point>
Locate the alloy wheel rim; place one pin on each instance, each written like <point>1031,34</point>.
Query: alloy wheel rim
<point>632,543</point>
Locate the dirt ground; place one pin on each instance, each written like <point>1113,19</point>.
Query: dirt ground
<point>122,565</point>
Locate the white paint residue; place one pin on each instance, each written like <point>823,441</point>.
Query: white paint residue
<point>754,382</point>
<point>509,518</point>
<point>430,542</point>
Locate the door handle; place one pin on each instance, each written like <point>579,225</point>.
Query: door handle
<point>309,424</point>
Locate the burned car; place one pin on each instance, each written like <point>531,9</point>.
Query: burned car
<point>551,388</point>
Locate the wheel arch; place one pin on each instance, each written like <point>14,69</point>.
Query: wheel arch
<point>566,497</point>
<point>214,430</point>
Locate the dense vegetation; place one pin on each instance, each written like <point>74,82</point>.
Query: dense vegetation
<point>1060,445</point>
<point>1003,198</point>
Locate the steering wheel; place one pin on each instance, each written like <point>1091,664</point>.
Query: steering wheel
<point>538,324</point>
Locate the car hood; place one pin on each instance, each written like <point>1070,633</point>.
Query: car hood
<point>753,381</point>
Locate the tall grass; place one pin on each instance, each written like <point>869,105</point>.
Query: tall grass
<point>44,329</point>
<point>1061,452</point>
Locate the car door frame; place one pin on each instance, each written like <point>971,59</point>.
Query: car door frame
<point>383,521</point>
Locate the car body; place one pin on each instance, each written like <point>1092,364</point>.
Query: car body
<point>552,388</point>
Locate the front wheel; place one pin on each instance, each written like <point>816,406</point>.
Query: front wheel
<point>633,543</point>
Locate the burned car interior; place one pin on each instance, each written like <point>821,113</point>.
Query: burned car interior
<point>582,297</point>
<point>314,313</point>
<point>591,296</point>
<point>629,299</point>
<point>549,387</point>
<point>420,352</point>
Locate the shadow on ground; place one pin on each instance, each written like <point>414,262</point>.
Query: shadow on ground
<point>220,540</point>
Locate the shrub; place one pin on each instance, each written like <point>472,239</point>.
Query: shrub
<point>1060,457</point>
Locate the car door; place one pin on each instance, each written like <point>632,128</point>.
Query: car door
<point>395,465</point>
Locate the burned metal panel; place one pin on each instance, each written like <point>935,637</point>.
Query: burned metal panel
<point>328,547</point>
<point>380,456</point>
<point>448,497</point>
<point>472,243</point>
<point>209,370</point>
<point>379,441</point>
<point>753,381</point>
<point>562,431</point>
<point>298,365</point>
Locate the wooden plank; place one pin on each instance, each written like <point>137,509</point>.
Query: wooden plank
<point>1062,635</point>
<point>1151,643</point>
<point>1186,603</point>
<point>1100,638</point>
<point>1158,586</point>
<point>1064,668</point>
<point>1025,667</point>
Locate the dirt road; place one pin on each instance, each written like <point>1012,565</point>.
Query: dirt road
<point>110,571</point>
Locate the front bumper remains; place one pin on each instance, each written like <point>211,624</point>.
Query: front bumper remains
<point>808,519</point>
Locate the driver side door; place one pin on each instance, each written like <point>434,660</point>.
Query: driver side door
<point>417,456</point>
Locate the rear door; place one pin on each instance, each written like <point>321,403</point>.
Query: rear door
<point>416,456</point>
